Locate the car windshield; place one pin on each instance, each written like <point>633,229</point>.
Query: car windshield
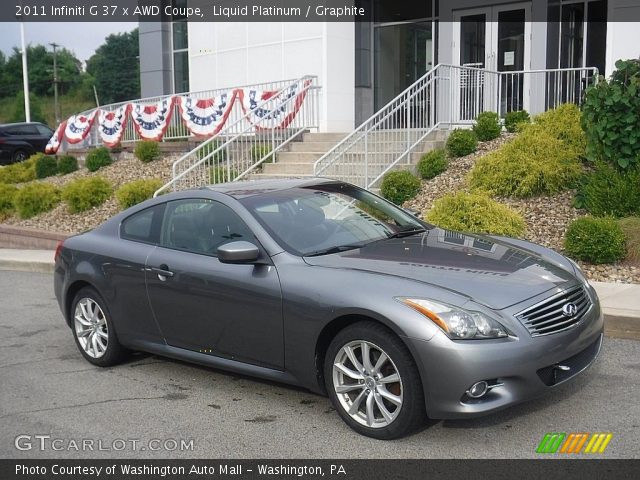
<point>329,218</point>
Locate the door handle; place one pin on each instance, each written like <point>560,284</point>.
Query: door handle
<point>163,272</point>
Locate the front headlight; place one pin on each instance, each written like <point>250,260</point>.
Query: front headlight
<point>457,323</point>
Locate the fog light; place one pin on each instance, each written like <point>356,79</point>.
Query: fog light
<point>478,389</point>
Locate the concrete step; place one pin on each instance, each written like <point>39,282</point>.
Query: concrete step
<point>298,157</point>
<point>324,137</point>
<point>311,146</point>
<point>288,168</point>
<point>275,176</point>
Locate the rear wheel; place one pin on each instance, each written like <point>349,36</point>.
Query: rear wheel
<point>93,330</point>
<point>373,382</point>
<point>19,156</point>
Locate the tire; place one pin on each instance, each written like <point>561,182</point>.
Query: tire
<point>90,318</point>
<point>375,387</point>
<point>19,156</point>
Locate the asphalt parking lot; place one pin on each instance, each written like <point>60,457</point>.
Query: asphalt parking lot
<point>46,388</point>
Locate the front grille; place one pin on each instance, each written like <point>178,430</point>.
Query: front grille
<point>552,375</point>
<point>547,316</point>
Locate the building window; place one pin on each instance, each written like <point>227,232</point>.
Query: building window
<point>180,50</point>
<point>576,34</point>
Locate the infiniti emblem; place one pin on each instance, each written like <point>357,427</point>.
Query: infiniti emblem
<point>569,310</point>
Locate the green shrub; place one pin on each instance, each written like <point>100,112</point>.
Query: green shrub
<point>222,175</point>
<point>400,186</point>
<point>46,166</point>
<point>564,124</point>
<point>631,228</point>
<point>98,158</point>
<point>432,164</point>
<point>610,117</point>
<point>35,198</point>
<point>7,194</point>
<point>86,193</point>
<point>607,191</point>
<point>475,213</point>
<point>147,151</point>
<point>136,192</point>
<point>260,150</point>
<point>487,126</point>
<point>533,163</point>
<point>461,142</point>
<point>515,118</point>
<point>595,240</point>
<point>218,157</point>
<point>67,164</point>
<point>20,172</point>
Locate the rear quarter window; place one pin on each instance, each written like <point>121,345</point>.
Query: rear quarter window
<point>143,226</point>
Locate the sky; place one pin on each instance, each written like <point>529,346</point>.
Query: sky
<point>81,38</point>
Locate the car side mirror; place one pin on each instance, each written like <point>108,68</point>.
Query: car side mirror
<point>238,252</point>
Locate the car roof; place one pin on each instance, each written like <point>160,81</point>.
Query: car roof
<point>249,188</point>
<point>18,124</point>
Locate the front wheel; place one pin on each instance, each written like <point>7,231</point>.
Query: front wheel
<point>373,382</point>
<point>19,156</point>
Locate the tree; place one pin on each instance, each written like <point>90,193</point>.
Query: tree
<point>35,108</point>
<point>116,68</point>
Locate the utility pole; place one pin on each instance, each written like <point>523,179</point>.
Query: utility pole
<point>56,106</point>
<point>25,75</point>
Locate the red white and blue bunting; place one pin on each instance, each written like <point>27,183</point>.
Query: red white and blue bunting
<point>151,121</point>
<point>78,127</point>
<point>111,125</point>
<point>206,117</point>
<point>271,110</point>
<point>54,142</point>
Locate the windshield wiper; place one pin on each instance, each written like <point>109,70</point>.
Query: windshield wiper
<point>407,232</point>
<point>336,249</point>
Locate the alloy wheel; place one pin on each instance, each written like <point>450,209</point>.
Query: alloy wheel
<point>91,327</point>
<point>367,384</point>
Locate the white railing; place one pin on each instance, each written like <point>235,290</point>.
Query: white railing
<point>176,129</point>
<point>254,138</point>
<point>445,97</point>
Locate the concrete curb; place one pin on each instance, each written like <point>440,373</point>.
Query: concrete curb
<point>21,266</point>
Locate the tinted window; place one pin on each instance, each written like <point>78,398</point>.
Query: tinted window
<point>201,226</point>
<point>22,130</point>
<point>143,226</point>
<point>44,131</point>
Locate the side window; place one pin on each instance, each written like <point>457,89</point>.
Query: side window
<point>143,226</point>
<point>201,226</point>
<point>44,131</point>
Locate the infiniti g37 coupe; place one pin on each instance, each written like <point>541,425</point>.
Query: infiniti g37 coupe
<point>324,285</point>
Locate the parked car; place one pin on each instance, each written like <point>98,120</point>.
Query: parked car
<point>18,141</point>
<point>324,285</point>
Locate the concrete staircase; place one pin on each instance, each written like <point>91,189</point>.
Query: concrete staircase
<point>299,157</point>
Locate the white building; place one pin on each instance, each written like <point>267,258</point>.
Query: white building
<point>361,66</point>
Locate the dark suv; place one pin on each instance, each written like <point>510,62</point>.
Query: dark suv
<point>18,141</point>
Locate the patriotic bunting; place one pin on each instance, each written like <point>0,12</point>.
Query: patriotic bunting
<point>206,117</point>
<point>111,125</point>
<point>151,121</point>
<point>54,142</point>
<point>78,127</point>
<point>279,112</point>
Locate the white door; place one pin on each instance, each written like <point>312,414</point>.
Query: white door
<point>498,40</point>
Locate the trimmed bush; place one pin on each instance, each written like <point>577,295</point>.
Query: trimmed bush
<point>607,191</point>
<point>221,175</point>
<point>219,156</point>
<point>259,151</point>
<point>595,240</point>
<point>67,164</point>
<point>631,228</point>
<point>487,126</point>
<point>35,198</point>
<point>136,192</point>
<point>400,186</point>
<point>432,164</point>
<point>46,166</point>
<point>533,163</point>
<point>610,117</point>
<point>86,193</point>
<point>475,213</point>
<point>98,158</point>
<point>461,142</point>
<point>147,151</point>
<point>515,118</point>
<point>20,172</point>
<point>7,194</point>
<point>564,124</point>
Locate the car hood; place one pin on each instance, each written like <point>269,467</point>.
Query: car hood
<point>489,271</point>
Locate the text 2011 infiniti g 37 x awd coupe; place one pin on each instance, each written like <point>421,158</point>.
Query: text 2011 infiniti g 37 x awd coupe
<point>322,284</point>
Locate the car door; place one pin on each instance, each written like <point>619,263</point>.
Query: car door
<point>228,310</point>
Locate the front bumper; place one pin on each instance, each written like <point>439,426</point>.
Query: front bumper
<point>522,366</point>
